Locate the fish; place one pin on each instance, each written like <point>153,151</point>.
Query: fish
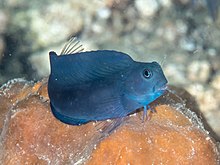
<point>86,86</point>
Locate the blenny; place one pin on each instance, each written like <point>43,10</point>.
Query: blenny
<point>99,85</point>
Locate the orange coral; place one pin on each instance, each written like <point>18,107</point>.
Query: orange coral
<point>30,134</point>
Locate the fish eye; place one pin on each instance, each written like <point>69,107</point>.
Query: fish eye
<point>147,73</point>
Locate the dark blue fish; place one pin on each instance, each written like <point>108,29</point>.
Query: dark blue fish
<point>100,85</point>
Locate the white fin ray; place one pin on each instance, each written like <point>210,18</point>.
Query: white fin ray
<point>71,47</point>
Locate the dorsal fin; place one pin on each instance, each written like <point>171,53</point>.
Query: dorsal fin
<point>71,47</point>
<point>88,66</point>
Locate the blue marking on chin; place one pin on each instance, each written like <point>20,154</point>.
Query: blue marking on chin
<point>146,99</point>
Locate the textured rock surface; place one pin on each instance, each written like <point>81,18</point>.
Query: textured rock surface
<point>30,134</point>
<point>164,139</point>
<point>190,55</point>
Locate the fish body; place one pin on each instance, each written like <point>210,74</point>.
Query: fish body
<point>100,85</point>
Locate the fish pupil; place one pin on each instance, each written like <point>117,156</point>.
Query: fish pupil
<point>147,73</point>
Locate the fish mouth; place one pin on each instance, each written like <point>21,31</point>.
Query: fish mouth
<point>161,88</point>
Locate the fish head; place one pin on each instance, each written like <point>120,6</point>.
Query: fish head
<point>145,82</point>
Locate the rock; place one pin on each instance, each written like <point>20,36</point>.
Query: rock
<point>51,23</point>
<point>209,103</point>
<point>41,63</point>
<point>172,70</point>
<point>168,31</point>
<point>199,71</point>
<point>3,27</point>
<point>216,82</point>
<point>34,27</point>
<point>166,142</point>
<point>10,93</point>
<point>177,32</point>
<point>187,44</point>
<point>4,21</point>
<point>190,103</point>
<point>53,27</point>
<point>30,134</point>
<point>147,8</point>
<point>104,13</point>
<point>119,5</point>
<point>205,96</point>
